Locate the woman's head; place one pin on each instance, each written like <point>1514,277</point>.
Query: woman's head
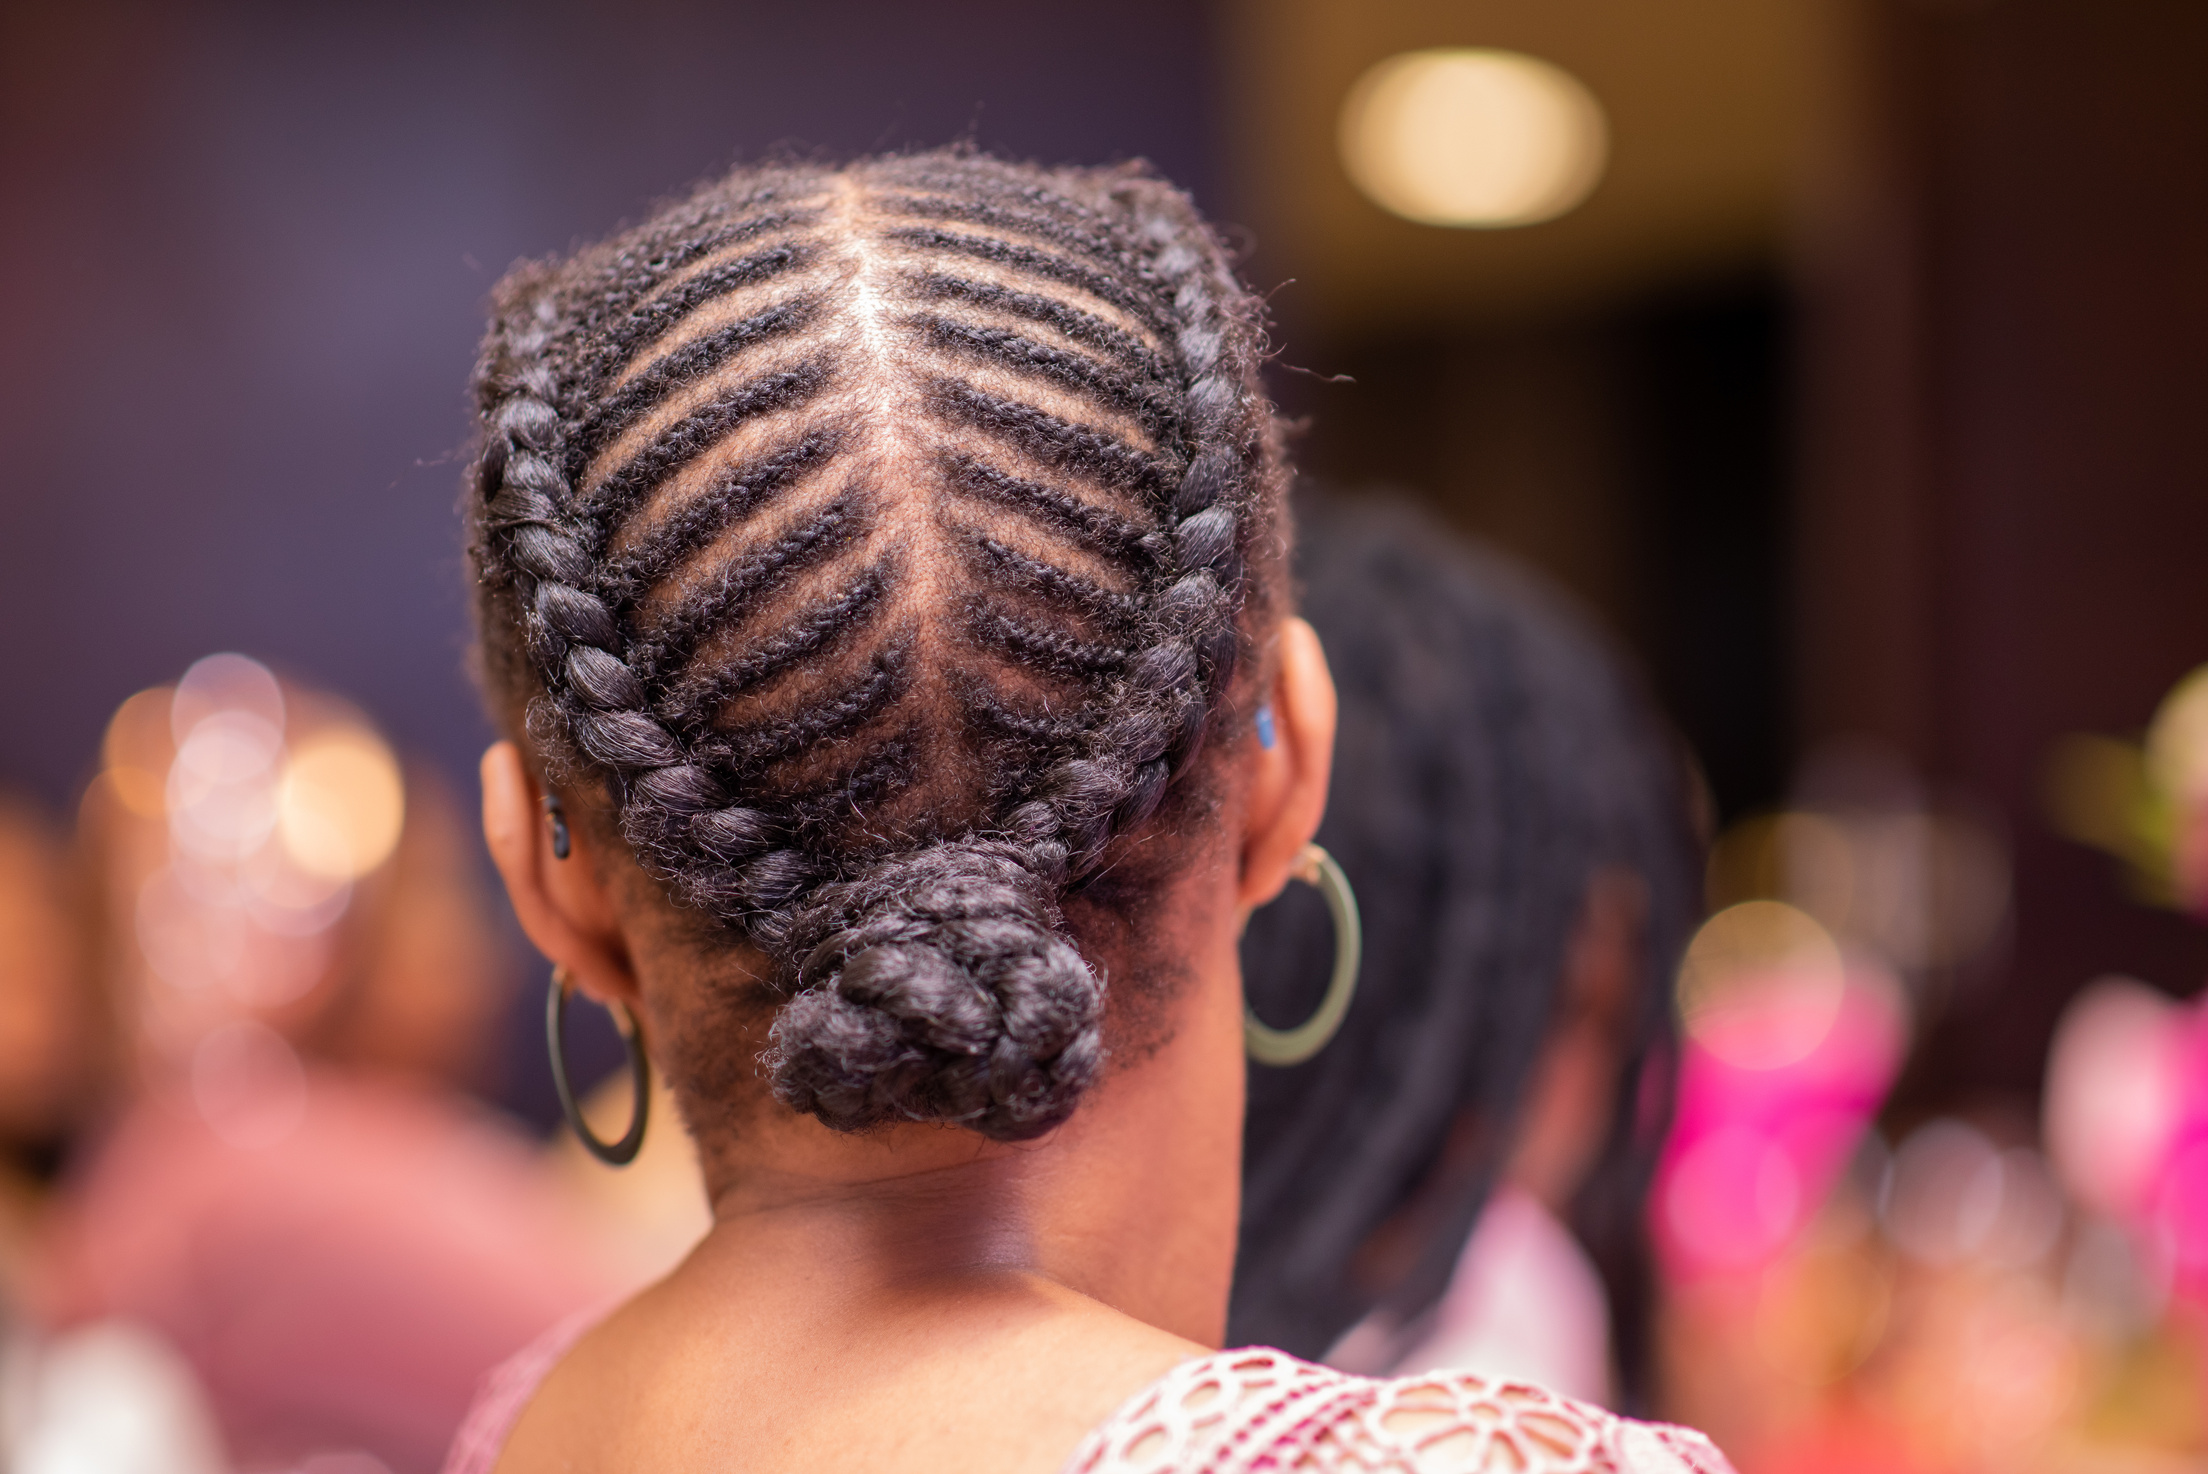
<point>878,552</point>
<point>1513,816</point>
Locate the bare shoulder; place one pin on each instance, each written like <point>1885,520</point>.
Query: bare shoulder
<point>1009,1384</point>
<point>573,1410</point>
<point>1263,1409</point>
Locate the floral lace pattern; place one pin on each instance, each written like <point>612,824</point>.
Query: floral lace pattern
<point>1238,1412</point>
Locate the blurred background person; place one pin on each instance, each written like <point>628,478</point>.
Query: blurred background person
<point>288,1186</point>
<point>110,1395</point>
<point>1457,1180</point>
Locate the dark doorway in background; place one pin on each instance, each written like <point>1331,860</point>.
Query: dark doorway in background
<point>1640,455</point>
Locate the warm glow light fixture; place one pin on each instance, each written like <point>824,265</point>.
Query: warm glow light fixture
<point>1466,137</point>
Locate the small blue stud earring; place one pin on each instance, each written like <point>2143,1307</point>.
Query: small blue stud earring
<point>561,844</point>
<point>1266,736</point>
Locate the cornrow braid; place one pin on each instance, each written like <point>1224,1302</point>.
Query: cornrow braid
<point>885,541</point>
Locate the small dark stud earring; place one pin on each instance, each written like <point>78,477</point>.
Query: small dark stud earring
<point>558,816</point>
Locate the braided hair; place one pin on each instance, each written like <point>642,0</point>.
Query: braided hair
<point>1493,756</point>
<point>883,542</point>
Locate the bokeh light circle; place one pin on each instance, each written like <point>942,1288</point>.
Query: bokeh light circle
<point>1473,138</point>
<point>221,788</point>
<point>1761,985</point>
<point>136,752</point>
<point>227,682</point>
<point>341,804</point>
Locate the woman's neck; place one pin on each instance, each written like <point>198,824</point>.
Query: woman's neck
<point>919,1297</point>
<point>1131,1204</point>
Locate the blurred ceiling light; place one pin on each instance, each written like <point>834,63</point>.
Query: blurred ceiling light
<point>1472,138</point>
<point>342,804</point>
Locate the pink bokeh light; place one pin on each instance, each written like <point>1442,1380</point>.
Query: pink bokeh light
<point>1753,1152</point>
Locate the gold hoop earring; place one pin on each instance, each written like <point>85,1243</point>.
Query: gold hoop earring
<point>1283,1047</point>
<point>617,1153</point>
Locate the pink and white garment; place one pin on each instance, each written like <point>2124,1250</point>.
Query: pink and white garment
<point>1241,1412</point>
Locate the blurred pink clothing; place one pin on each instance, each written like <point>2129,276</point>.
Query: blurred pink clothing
<point>1524,1304</point>
<point>345,1287</point>
<point>1240,1412</point>
<point>506,1392</point>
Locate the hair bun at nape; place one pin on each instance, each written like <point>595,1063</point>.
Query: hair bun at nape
<point>939,986</point>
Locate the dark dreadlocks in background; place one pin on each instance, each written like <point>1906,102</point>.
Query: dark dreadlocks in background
<point>1493,758</point>
<point>725,456</point>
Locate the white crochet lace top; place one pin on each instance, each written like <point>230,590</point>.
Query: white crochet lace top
<point>1257,1409</point>
<point>1240,1412</point>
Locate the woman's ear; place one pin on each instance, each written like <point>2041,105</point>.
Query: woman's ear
<point>562,904</point>
<point>1293,741</point>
